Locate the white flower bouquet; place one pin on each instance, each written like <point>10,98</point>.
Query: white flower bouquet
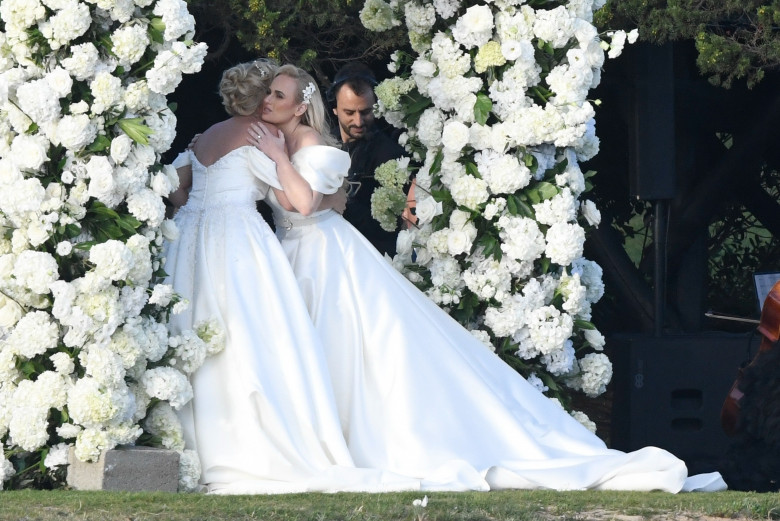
<point>85,355</point>
<point>492,102</point>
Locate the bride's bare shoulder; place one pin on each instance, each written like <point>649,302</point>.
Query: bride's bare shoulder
<point>310,137</point>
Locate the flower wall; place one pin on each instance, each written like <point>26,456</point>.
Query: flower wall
<point>86,360</point>
<point>492,101</point>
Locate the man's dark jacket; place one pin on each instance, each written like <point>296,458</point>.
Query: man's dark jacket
<point>365,156</point>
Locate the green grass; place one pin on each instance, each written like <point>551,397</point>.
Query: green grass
<point>482,506</point>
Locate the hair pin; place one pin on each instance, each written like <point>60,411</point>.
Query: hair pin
<point>262,71</point>
<point>308,91</point>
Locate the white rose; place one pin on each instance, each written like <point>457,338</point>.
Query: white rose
<point>404,242</point>
<point>38,233</point>
<point>64,248</point>
<point>427,209</point>
<point>29,152</point>
<point>591,213</point>
<point>10,311</point>
<point>60,81</point>
<point>594,338</point>
<point>76,132</point>
<point>120,148</point>
<point>161,184</point>
<point>161,294</point>
<point>458,241</point>
<point>455,136</point>
<point>511,50</point>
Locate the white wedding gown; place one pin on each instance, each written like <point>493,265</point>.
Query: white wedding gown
<point>418,395</point>
<point>263,417</point>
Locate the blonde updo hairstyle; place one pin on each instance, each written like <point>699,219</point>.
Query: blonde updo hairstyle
<point>315,110</point>
<point>244,86</point>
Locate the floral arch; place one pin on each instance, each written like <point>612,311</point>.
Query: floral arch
<point>492,101</point>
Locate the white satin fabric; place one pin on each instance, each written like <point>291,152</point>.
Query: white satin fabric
<point>418,395</point>
<point>263,417</point>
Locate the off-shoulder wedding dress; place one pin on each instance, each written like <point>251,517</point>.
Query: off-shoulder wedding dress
<point>263,418</point>
<point>418,395</point>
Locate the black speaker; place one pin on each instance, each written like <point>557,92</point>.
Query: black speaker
<point>668,392</point>
<point>652,149</point>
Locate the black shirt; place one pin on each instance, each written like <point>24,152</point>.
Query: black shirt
<point>365,156</point>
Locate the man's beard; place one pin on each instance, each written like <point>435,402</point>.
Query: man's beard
<point>351,135</point>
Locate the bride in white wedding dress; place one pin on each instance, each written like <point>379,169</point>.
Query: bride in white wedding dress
<point>417,394</point>
<point>263,418</point>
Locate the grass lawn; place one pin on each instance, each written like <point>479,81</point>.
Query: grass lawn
<point>484,506</point>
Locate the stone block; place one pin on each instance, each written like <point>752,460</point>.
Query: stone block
<point>130,469</point>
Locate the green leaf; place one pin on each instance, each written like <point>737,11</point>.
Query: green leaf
<point>472,170</point>
<point>99,209</point>
<point>129,223</point>
<point>525,209</point>
<point>482,108</point>
<point>100,144</point>
<point>583,324</point>
<point>418,102</point>
<point>530,161</point>
<point>136,130</point>
<point>86,245</point>
<point>157,30</point>
<point>488,243</point>
<point>559,167</point>
<point>441,195</point>
<point>106,43</point>
<point>544,265</point>
<point>547,190</point>
<point>436,165</point>
<point>414,107</point>
<point>30,367</point>
<point>72,230</point>
<point>549,381</point>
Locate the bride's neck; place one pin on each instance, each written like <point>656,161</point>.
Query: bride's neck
<point>289,129</point>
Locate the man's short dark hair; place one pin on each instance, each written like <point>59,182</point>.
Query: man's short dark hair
<point>356,75</point>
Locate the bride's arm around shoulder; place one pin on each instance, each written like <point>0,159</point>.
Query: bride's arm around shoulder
<point>183,167</point>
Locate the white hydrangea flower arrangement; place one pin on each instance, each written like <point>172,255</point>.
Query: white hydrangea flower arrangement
<point>492,102</point>
<point>86,360</point>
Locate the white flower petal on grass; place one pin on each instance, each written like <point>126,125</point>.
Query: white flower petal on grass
<point>421,502</point>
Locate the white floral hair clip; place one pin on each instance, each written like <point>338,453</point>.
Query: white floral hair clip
<point>262,71</point>
<point>308,91</point>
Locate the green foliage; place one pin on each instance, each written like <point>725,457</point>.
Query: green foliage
<point>317,35</point>
<point>736,39</point>
<point>739,240</point>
